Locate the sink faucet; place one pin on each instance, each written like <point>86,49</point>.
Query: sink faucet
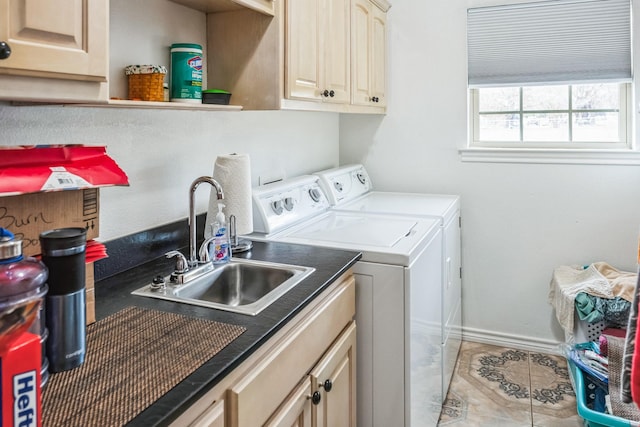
<point>193,260</point>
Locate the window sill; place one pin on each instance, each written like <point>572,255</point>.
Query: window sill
<point>551,156</point>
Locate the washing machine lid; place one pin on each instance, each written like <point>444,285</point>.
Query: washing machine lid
<point>444,206</point>
<point>380,238</point>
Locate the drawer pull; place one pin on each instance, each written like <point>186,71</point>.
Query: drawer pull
<point>316,397</point>
<point>5,50</point>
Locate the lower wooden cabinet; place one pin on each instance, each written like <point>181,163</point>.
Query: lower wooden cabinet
<point>334,378</point>
<point>326,398</point>
<point>303,376</point>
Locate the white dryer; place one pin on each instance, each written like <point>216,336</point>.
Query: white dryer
<point>398,295</point>
<point>349,188</point>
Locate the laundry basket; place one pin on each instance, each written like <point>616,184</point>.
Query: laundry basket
<point>592,418</point>
<point>586,332</point>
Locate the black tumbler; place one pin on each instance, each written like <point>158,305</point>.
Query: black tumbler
<point>63,252</point>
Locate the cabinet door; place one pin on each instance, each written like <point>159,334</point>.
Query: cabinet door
<point>336,46</point>
<point>296,410</point>
<point>360,35</point>
<point>65,39</point>
<point>369,56</point>
<point>335,378</point>
<point>303,49</point>
<point>378,52</point>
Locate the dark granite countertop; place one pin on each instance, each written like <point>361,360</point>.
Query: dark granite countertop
<point>114,293</point>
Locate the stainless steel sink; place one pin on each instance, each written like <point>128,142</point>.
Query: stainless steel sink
<point>241,286</point>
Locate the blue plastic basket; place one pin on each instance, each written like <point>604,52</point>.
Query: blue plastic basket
<point>592,418</point>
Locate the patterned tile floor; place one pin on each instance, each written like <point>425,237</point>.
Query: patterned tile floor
<point>496,386</point>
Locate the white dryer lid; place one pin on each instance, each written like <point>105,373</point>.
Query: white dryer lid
<point>410,204</point>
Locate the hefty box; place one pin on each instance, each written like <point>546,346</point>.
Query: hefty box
<point>20,383</point>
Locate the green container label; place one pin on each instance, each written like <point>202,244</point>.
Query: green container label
<point>186,74</point>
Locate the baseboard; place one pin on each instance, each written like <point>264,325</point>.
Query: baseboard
<point>511,341</point>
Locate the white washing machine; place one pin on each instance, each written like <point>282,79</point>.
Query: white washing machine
<point>398,295</point>
<point>349,188</point>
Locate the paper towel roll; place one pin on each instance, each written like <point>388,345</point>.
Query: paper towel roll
<point>233,173</point>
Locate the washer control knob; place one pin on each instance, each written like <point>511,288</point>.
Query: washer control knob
<point>338,186</point>
<point>288,203</point>
<point>276,206</point>
<point>362,178</point>
<point>314,193</point>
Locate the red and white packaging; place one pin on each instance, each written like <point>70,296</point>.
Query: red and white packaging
<point>33,169</point>
<point>20,383</point>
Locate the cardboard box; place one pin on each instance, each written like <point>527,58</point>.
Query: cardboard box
<point>20,380</point>
<point>28,215</point>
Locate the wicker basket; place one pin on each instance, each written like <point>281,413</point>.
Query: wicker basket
<point>145,82</point>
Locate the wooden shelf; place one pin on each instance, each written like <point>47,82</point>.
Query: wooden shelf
<point>152,105</point>
<point>212,6</point>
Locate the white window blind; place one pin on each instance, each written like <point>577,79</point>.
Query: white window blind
<point>558,41</point>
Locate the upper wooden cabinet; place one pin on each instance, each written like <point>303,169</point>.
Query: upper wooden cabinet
<point>369,41</point>
<point>319,55</point>
<point>304,57</point>
<point>58,50</point>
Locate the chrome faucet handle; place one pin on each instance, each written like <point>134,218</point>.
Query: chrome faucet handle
<point>203,253</point>
<point>233,232</point>
<point>237,245</point>
<point>182,266</point>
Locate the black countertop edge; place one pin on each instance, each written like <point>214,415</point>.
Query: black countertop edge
<point>114,293</point>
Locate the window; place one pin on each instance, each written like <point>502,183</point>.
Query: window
<point>551,116</point>
<point>551,74</point>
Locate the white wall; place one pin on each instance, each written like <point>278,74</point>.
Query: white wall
<point>162,152</point>
<point>519,220</point>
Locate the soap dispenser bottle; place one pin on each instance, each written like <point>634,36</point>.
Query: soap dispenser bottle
<point>220,253</point>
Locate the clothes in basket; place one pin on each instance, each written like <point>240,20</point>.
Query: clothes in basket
<point>598,279</point>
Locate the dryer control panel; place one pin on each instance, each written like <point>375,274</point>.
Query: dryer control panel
<point>282,204</point>
<point>345,183</point>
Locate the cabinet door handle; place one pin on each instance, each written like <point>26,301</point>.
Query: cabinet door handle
<point>5,50</point>
<point>332,94</point>
<point>325,93</point>
<point>328,385</point>
<point>316,397</point>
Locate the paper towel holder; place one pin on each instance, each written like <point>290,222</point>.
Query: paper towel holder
<point>237,245</point>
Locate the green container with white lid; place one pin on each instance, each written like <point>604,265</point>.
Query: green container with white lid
<point>186,72</point>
